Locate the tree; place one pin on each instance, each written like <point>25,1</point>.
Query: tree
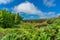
<point>1,18</point>
<point>8,19</point>
<point>18,18</point>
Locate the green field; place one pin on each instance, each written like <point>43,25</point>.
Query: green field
<point>15,29</point>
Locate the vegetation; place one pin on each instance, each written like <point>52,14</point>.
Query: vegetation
<point>47,30</point>
<point>7,19</point>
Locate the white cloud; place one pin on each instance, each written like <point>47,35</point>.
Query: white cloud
<point>48,15</point>
<point>52,14</point>
<point>58,14</point>
<point>49,3</point>
<point>31,16</point>
<point>5,1</point>
<point>5,9</point>
<point>28,8</point>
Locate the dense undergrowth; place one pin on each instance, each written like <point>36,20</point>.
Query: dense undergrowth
<point>28,31</point>
<point>51,32</point>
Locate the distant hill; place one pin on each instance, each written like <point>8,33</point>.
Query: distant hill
<point>41,20</point>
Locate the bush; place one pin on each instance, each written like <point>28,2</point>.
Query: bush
<point>8,19</point>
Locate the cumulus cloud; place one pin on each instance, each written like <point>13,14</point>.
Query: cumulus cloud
<point>5,1</point>
<point>49,3</point>
<point>28,8</point>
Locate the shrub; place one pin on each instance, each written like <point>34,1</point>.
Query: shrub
<point>8,19</point>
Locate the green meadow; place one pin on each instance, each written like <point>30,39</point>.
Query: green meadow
<point>13,28</point>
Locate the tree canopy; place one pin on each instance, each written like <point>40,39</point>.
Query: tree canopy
<point>8,19</point>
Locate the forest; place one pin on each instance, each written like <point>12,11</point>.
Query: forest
<point>13,28</point>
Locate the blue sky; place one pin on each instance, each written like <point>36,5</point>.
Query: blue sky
<point>32,9</point>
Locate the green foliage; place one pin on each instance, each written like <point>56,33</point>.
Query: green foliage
<point>50,21</point>
<point>8,19</point>
<point>27,31</point>
<point>51,32</point>
<point>17,18</point>
<point>26,35</point>
<point>44,36</point>
<point>9,37</point>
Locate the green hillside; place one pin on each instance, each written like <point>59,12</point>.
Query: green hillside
<point>13,28</point>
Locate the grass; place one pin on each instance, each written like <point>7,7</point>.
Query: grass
<point>27,31</point>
